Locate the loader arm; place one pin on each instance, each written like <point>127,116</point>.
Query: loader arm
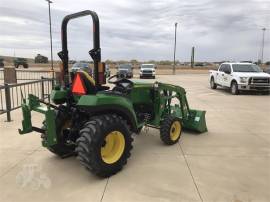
<point>163,105</point>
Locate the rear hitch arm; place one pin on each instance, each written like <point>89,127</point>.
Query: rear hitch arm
<point>33,104</point>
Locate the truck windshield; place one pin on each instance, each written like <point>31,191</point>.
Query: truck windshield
<point>127,67</point>
<point>147,66</point>
<point>81,65</point>
<point>246,68</point>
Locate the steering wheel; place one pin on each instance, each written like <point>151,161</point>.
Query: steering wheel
<point>111,77</point>
<point>122,85</point>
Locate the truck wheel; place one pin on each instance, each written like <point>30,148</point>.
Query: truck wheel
<point>25,66</point>
<point>104,145</point>
<point>170,130</point>
<point>234,88</point>
<point>213,85</point>
<point>62,123</point>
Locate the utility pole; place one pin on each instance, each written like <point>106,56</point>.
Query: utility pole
<point>192,57</point>
<point>50,21</point>
<point>263,29</point>
<point>175,29</point>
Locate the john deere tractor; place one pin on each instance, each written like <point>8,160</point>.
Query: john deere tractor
<point>95,122</point>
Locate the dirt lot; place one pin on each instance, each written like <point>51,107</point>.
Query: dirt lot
<point>229,163</point>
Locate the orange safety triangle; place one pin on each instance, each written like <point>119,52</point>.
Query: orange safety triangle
<point>78,86</point>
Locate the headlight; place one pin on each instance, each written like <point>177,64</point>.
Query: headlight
<point>243,79</point>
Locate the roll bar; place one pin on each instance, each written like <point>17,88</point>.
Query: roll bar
<point>95,53</point>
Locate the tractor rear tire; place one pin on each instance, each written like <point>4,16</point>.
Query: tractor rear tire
<point>104,145</point>
<point>170,130</point>
<point>62,121</point>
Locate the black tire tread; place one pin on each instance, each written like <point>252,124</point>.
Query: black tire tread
<point>165,130</point>
<point>88,144</point>
<point>215,85</point>
<point>237,90</point>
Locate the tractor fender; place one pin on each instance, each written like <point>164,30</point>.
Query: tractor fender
<point>111,109</point>
<point>108,104</point>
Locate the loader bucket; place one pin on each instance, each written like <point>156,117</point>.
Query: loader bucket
<point>196,121</point>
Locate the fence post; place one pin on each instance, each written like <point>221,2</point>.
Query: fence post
<point>8,101</point>
<point>42,89</point>
<point>52,83</point>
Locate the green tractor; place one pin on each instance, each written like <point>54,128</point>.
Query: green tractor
<point>96,122</point>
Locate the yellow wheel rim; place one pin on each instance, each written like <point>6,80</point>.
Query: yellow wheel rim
<point>175,130</point>
<point>113,148</point>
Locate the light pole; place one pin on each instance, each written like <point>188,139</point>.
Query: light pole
<point>263,29</point>
<point>175,28</point>
<point>49,4</point>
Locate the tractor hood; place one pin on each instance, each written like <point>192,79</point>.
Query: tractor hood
<point>142,83</point>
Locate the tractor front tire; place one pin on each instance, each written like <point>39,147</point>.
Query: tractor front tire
<point>62,122</point>
<point>170,130</point>
<point>104,145</point>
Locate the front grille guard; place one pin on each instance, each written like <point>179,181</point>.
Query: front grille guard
<point>254,81</point>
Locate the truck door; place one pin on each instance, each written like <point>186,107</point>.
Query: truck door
<point>220,74</point>
<point>227,75</point>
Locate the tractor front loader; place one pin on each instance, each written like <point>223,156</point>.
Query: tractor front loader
<point>96,122</point>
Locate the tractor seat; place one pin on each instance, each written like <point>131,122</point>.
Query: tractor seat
<point>90,84</point>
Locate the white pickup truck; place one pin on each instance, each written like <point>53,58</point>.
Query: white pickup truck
<point>148,70</point>
<point>240,76</point>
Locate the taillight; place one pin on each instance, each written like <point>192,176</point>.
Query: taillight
<point>78,86</point>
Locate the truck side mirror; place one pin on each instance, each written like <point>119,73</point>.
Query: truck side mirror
<point>226,71</point>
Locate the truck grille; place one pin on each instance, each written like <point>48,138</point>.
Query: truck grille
<point>259,80</point>
<point>147,71</point>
